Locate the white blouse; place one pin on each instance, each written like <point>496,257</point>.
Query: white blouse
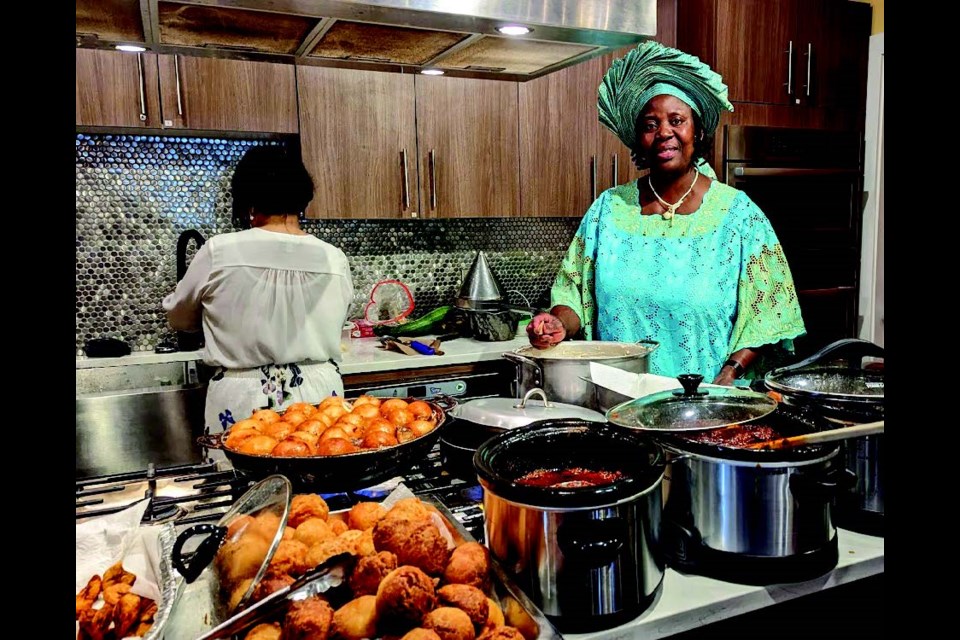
<point>263,297</point>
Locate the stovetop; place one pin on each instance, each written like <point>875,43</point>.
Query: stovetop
<point>189,494</point>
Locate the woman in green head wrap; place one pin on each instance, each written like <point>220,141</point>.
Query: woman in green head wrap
<point>676,256</point>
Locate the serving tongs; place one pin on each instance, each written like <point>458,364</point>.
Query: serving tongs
<point>322,578</point>
<point>830,435</point>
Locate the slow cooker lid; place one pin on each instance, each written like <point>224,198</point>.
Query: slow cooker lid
<point>690,409</point>
<point>508,413</point>
<point>835,383</point>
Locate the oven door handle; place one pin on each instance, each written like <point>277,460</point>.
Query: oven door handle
<point>772,172</point>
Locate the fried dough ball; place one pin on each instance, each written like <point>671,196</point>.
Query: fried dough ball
<point>272,581</point>
<point>235,439</point>
<point>502,633</point>
<point>365,515</point>
<point>308,619</point>
<point>265,415</point>
<point>338,526</point>
<point>279,429</point>
<point>334,411</point>
<point>449,623</point>
<point>516,617</point>
<point>313,531</point>
<point>380,424</point>
<point>265,524</point>
<point>495,617</point>
<point>239,525</point>
<point>335,446</point>
<point>310,438</point>
<point>249,424</point>
<point>305,408</point>
<point>404,597</point>
<point>334,401</point>
<point>333,432</point>
<point>290,557</point>
<point>411,508</point>
<point>264,631</point>
<point>313,426</point>
<point>420,634</point>
<point>400,417</point>
<point>370,571</point>
<point>352,418</point>
<point>377,440</point>
<point>292,448</point>
<point>260,445</point>
<point>288,533</point>
<point>323,551</point>
<point>366,411</point>
<point>469,564</point>
<point>352,431</point>
<point>356,619</point>
<point>405,435</point>
<point>393,403</point>
<point>304,506</point>
<point>421,427</point>
<point>468,598</point>
<point>415,542</point>
<point>242,558</point>
<point>362,400</point>
<point>365,546</point>
<point>421,410</point>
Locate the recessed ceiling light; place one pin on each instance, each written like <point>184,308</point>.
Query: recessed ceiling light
<point>432,72</point>
<point>514,30</point>
<point>130,47</point>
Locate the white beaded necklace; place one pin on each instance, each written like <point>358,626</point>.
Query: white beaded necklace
<point>672,208</point>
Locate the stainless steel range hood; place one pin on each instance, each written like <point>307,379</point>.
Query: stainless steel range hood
<point>460,37</point>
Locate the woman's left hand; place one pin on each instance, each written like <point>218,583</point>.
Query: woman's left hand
<point>725,377</point>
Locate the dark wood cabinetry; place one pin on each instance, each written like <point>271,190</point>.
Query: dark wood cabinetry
<point>117,89</point>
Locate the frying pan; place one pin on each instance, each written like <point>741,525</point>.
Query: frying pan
<point>334,474</point>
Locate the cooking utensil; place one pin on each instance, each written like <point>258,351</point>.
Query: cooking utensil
<point>481,288</point>
<point>342,472</point>
<point>692,409</point>
<point>475,421</point>
<point>106,348</point>
<point>589,557</point>
<point>832,435</point>
<point>560,370</point>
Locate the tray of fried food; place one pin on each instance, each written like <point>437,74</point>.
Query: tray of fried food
<point>416,574</point>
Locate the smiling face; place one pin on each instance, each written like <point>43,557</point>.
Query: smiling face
<point>666,131</point>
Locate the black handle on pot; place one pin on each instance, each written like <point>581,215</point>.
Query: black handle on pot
<point>205,552</point>
<point>592,543</point>
<point>445,402</point>
<point>690,382</point>
<point>853,350</point>
<point>211,441</point>
<point>822,487</point>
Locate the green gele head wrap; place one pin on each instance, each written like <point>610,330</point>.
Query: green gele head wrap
<point>651,70</point>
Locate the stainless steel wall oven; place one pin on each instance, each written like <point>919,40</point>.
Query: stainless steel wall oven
<point>809,183</point>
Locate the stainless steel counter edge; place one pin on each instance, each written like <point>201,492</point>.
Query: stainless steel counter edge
<point>688,601</point>
<point>364,356</point>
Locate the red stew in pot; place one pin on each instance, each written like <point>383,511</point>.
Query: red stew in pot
<point>572,478</point>
<point>736,436</point>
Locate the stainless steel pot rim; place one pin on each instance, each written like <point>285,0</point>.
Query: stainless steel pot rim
<point>587,350</point>
<point>509,413</point>
<point>758,464</point>
<point>560,509</point>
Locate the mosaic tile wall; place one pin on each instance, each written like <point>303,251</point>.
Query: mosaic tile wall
<point>136,194</point>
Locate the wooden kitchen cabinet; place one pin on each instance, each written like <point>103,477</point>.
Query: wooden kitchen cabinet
<point>468,147</point>
<point>117,89</point>
<point>358,138</point>
<point>227,95</point>
<point>808,53</point>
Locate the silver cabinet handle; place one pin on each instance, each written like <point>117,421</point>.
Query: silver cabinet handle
<point>433,179</point>
<point>789,82</point>
<point>616,170</point>
<point>405,187</point>
<point>176,75</point>
<point>809,65</point>
<point>143,95</point>
<point>593,176</point>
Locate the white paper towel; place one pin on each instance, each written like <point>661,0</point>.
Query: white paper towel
<point>634,385</point>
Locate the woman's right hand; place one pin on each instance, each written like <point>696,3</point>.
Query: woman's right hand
<point>545,330</point>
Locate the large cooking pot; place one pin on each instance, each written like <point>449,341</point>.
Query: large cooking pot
<point>588,556</point>
<point>336,473</point>
<point>752,516</point>
<point>561,369</point>
<point>836,384</point>
<point>473,422</point>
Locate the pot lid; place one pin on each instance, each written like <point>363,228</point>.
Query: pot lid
<point>691,409</point>
<point>836,372</point>
<point>508,413</point>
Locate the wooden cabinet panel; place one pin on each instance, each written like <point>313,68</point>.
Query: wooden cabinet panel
<point>835,43</point>
<point>117,89</point>
<point>467,134</point>
<point>227,95</point>
<point>355,127</point>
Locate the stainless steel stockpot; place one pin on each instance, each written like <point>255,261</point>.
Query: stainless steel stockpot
<point>589,557</point>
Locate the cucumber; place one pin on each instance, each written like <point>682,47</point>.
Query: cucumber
<point>422,326</point>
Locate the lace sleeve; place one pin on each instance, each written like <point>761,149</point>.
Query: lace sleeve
<point>574,284</point>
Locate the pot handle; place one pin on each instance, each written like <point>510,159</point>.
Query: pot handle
<point>652,345</point>
<point>595,543</point>
<point>205,552</point>
<point>445,402</point>
<point>824,487</point>
<point>535,391</point>
<point>211,440</point>
<point>854,349</point>
<point>521,361</point>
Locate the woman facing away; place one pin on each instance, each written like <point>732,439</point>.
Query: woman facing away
<point>676,257</point>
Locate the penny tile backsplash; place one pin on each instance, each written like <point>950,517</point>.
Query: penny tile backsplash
<point>136,194</point>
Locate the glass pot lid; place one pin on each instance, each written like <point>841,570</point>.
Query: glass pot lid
<point>692,409</point>
<point>837,372</point>
<point>507,413</point>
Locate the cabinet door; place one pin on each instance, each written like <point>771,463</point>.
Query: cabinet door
<point>616,165</point>
<point>834,51</point>
<point>467,134</point>
<point>757,50</point>
<point>227,95</point>
<point>559,160</point>
<point>358,139</point>
<point>117,89</point>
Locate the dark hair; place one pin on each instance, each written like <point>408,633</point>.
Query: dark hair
<point>271,180</point>
<point>702,147</point>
